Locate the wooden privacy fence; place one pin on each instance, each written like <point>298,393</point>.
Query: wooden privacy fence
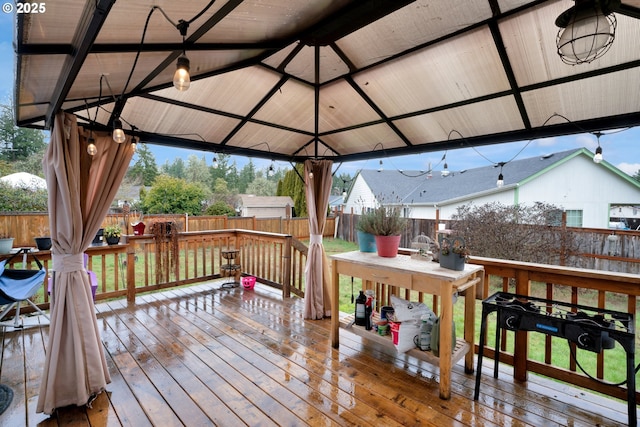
<point>597,249</point>
<point>24,227</point>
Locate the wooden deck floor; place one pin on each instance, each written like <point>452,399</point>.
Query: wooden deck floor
<point>198,356</point>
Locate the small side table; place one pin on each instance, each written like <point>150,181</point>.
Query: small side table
<point>231,269</point>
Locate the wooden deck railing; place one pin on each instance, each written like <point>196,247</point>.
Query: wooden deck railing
<point>278,260</point>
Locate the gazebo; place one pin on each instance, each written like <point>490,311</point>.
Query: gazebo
<point>305,81</point>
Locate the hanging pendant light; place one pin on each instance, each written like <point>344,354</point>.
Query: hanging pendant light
<point>597,158</point>
<point>181,78</point>
<point>134,143</point>
<point>271,169</point>
<point>500,181</point>
<point>215,162</point>
<point>118,132</point>
<point>587,30</point>
<point>91,147</point>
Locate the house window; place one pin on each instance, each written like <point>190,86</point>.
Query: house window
<point>574,218</point>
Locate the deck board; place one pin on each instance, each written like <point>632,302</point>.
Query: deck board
<point>201,356</point>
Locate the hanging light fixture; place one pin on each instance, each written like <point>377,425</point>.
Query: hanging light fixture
<point>271,169</point>
<point>380,168</point>
<point>587,30</point>
<point>118,132</point>
<point>597,158</point>
<point>181,78</point>
<point>134,143</point>
<point>91,146</point>
<point>215,162</point>
<point>500,181</point>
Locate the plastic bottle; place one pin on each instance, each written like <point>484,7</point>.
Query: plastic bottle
<point>361,317</point>
<point>425,332</point>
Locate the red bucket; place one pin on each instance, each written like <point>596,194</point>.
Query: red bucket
<point>248,282</point>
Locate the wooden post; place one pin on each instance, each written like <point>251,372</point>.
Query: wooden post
<point>521,347</point>
<point>131,268</point>
<point>286,271</point>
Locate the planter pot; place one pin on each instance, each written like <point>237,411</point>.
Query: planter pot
<point>388,246</point>
<point>97,240</point>
<point>366,241</point>
<point>112,240</point>
<point>43,243</point>
<point>452,262</point>
<point>6,245</point>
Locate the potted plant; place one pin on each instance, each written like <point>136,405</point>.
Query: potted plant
<point>453,253</point>
<point>6,242</point>
<point>112,234</point>
<point>364,231</point>
<point>387,225</point>
<point>43,241</point>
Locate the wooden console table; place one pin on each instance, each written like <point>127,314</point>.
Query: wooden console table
<point>422,276</point>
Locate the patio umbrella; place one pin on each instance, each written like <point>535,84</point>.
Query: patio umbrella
<point>317,183</point>
<point>81,189</point>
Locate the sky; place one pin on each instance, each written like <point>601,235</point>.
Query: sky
<point>620,146</point>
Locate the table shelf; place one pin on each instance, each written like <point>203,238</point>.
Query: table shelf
<point>461,349</point>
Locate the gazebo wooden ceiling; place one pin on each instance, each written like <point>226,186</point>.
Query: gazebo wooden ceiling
<point>338,79</point>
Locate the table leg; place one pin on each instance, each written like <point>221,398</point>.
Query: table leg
<point>446,319</point>
<point>469,325</point>
<point>335,316</point>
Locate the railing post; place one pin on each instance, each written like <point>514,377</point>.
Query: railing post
<point>521,348</point>
<point>286,264</point>
<point>131,271</point>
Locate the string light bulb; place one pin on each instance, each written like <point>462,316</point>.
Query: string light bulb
<point>597,158</point>
<point>380,168</point>
<point>134,143</point>
<point>91,147</point>
<point>500,181</point>
<point>215,162</point>
<point>271,170</point>
<point>118,132</point>
<point>181,78</point>
<point>445,170</point>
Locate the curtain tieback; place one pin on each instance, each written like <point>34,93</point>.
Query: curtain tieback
<point>315,239</point>
<point>67,263</point>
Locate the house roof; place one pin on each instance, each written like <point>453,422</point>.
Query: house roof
<point>25,180</point>
<point>414,187</point>
<point>249,201</point>
<point>338,79</point>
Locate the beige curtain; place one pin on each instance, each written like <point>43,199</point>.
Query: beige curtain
<point>81,189</point>
<point>318,188</point>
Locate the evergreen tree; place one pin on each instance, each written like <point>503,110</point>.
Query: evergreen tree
<point>176,169</point>
<point>247,175</point>
<point>144,170</point>
<point>293,186</point>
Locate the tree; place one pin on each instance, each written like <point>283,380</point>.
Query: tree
<point>220,208</point>
<point>247,175</point>
<point>293,186</point>
<point>197,170</point>
<point>520,232</point>
<point>175,169</point>
<point>173,195</point>
<point>144,171</point>
<point>16,199</point>
<point>262,187</point>
<point>637,175</point>
<point>18,143</point>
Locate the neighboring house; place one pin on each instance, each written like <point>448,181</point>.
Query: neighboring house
<point>568,179</point>
<point>265,206</point>
<point>335,202</point>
